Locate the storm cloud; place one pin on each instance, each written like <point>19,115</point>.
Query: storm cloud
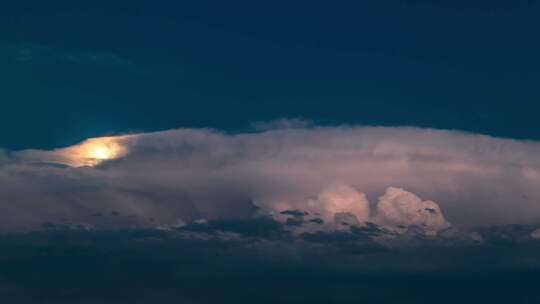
<point>320,214</point>
<point>180,176</point>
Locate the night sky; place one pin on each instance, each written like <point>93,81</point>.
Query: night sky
<point>269,152</point>
<point>468,65</point>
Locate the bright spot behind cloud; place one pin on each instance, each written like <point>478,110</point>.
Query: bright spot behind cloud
<point>90,152</point>
<point>95,150</point>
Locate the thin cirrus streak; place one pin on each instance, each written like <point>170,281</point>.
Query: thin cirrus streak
<point>191,174</point>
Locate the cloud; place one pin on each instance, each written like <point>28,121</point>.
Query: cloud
<point>200,264</point>
<point>341,198</point>
<point>183,175</point>
<point>88,153</point>
<point>398,209</point>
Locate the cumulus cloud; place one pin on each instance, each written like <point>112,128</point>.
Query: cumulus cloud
<point>341,198</point>
<point>341,206</point>
<point>398,209</point>
<point>173,176</point>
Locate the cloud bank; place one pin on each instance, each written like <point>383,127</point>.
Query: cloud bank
<point>394,177</point>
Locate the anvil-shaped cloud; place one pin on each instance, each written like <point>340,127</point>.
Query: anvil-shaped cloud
<point>184,175</point>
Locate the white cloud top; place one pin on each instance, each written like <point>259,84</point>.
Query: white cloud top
<point>397,209</point>
<point>340,198</point>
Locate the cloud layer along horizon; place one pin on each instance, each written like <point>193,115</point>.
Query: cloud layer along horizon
<point>393,176</point>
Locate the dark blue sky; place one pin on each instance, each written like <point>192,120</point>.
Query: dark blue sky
<point>74,70</point>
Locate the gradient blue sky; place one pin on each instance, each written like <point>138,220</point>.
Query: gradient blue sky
<point>71,71</point>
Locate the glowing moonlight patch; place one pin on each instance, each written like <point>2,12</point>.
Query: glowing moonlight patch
<point>101,152</point>
<point>94,151</point>
<point>90,152</point>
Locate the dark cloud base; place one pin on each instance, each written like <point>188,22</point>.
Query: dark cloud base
<point>260,262</point>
